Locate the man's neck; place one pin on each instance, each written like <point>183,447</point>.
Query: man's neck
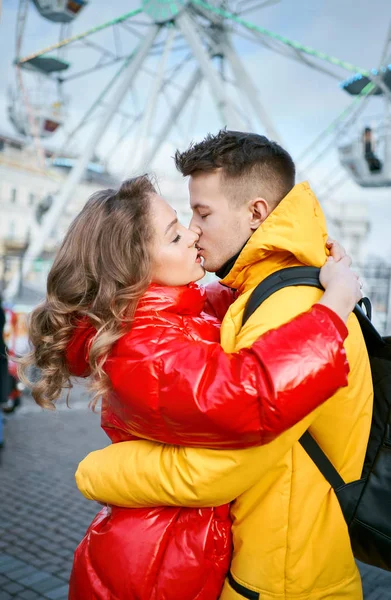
<point>227,266</point>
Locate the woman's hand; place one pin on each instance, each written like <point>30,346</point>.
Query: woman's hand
<point>337,251</point>
<point>342,285</point>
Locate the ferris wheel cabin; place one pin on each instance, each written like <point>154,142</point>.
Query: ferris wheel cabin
<point>60,11</point>
<point>38,116</point>
<point>367,154</point>
<point>44,119</point>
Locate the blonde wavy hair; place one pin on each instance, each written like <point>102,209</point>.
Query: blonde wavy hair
<point>100,272</point>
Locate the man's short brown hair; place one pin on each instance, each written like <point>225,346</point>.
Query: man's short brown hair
<point>251,164</point>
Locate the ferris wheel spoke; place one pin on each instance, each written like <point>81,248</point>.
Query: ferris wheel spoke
<point>256,6</point>
<point>243,3</point>
<point>153,98</point>
<point>33,132</point>
<point>284,51</point>
<point>104,51</point>
<point>308,63</point>
<point>223,103</point>
<point>248,89</point>
<point>386,54</point>
<point>194,110</point>
<point>169,78</point>
<point>32,123</point>
<point>130,29</point>
<point>117,39</point>
<point>21,20</point>
<point>81,36</point>
<point>88,115</point>
<point>176,70</point>
<point>279,38</point>
<point>174,115</point>
<point>170,104</point>
<point>116,146</point>
<point>331,128</point>
<point>166,80</point>
<point>97,67</point>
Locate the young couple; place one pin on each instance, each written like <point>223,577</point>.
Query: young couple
<point>206,420</point>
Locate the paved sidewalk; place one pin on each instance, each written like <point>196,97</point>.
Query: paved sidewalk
<point>43,516</point>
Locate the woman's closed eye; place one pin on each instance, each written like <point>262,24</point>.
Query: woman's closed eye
<point>176,239</point>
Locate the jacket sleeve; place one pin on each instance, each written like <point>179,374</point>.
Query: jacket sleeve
<point>200,396</point>
<point>218,299</point>
<point>142,473</point>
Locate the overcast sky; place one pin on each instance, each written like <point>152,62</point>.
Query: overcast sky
<point>300,101</point>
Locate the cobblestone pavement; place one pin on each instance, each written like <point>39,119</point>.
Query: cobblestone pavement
<point>43,516</point>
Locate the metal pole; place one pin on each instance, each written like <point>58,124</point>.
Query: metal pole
<point>175,112</point>
<point>248,90</point>
<point>224,105</point>
<point>145,126</point>
<point>84,120</point>
<point>37,244</point>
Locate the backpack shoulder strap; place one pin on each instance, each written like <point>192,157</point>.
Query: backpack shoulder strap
<point>308,276</point>
<point>324,465</point>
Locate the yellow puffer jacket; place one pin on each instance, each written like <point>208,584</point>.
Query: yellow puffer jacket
<point>290,538</point>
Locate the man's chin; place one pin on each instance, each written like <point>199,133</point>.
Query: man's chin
<point>210,268</point>
<point>208,265</point>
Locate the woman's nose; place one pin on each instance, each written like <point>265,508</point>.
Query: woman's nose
<point>194,235</point>
<point>195,228</point>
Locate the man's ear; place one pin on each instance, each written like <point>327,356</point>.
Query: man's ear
<point>259,210</point>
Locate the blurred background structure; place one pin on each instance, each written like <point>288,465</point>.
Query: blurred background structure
<point>96,94</point>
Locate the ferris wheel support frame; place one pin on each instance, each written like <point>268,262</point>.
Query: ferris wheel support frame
<point>36,245</point>
<point>247,88</point>
<point>224,106</point>
<point>145,124</point>
<point>175,112</point>
<point>34,134</point>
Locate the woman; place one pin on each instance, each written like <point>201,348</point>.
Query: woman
<point>123,310</point>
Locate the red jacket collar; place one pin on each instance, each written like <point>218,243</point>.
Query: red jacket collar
<point>183,300</point>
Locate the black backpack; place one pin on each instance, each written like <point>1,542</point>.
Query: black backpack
<point>365,503</point>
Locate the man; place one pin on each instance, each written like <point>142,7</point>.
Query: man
<point>374,164</point>
<point>290,538</point>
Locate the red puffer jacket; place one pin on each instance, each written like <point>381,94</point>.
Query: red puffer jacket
<point>172,382</point>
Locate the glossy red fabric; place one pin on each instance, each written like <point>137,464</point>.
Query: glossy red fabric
<point>180,554</point>
<point>173,383</point>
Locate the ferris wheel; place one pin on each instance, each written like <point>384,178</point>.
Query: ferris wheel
<point>37,106</point>
<point>362,138</point>
<point>365,152</point>
<point>172,58</point>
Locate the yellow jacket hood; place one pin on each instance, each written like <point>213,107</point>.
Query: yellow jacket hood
<point>294,233</point>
